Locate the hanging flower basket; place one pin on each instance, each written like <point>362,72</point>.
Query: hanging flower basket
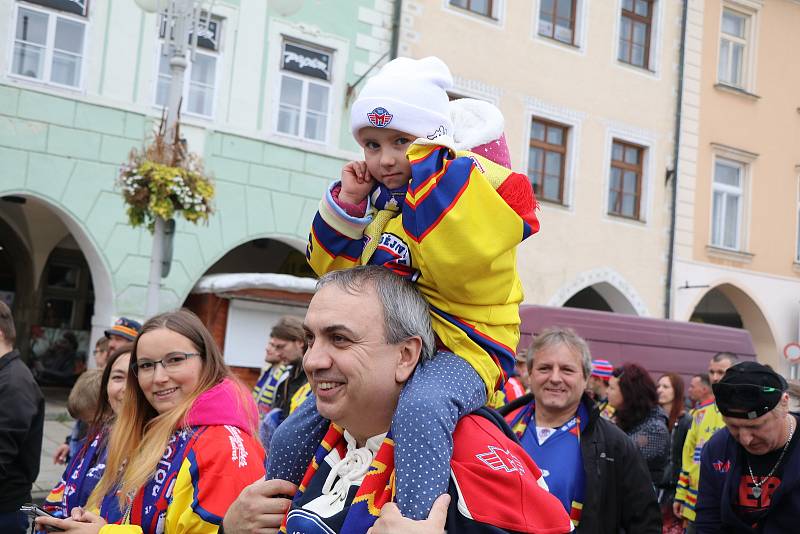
<point>163,180</point>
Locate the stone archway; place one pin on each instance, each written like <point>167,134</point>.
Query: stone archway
<point>728,305</point>
<point>38,226</point>
<point>600,289</point>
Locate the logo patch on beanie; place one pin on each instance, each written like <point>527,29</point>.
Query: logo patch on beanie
<point>440,131</point>
<point>379,117</point>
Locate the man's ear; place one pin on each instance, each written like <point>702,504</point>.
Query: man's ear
<point>410,351</point>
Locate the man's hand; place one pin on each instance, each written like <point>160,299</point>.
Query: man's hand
<point>259,508</point>
<point>392,522</point>
<point>60,456</point>
<point>676,509</point>
<point>356,182</point>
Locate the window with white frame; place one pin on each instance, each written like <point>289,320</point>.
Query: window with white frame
<point>49,45</point>
<point>727,203</point>
<point>733,48</point>
<point>305,92</point>
<point>199,87</point>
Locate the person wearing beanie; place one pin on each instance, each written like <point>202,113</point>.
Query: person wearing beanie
<point>750,470</point>
<point>448,220</point>
<point>602,370</point>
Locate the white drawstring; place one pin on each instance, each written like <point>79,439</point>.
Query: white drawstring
<point>351,469</point>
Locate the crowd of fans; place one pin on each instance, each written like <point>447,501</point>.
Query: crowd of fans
<point>620,451</point>
<point>399,404</point>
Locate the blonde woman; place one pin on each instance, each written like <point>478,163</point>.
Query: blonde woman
<point>184,444</point>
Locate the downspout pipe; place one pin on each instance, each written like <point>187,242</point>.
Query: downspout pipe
<point>398,9</point>
<point>675,161</point>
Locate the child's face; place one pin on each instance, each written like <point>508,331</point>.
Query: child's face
<point>385,154</point>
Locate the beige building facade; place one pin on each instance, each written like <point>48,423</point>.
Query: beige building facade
<point>588,91</point>
<point>737,245</point>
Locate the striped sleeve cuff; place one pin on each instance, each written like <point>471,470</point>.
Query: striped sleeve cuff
<point>339,220</point>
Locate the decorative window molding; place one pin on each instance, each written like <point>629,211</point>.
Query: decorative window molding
<point>645,141</point>
<point>729,152</point>
<point>547,160</point>
<point>730,255</point>
<point>464,87</point>
<point>736,54</point>
<point>305,72</point>
<point>570,120</point>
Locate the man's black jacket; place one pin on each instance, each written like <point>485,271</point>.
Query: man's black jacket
<point>619,495</point>
<point>287,388</point>
<point>21,426</point>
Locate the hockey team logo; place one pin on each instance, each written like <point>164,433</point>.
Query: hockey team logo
<point>440,131</point>
<point>501,460</point>
<point>379,117</point>
<point>722,467</point>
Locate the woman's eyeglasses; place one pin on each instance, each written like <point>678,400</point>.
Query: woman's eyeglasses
<point>171,363</point>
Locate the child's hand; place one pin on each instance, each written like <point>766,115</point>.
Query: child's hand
<point>356,182</point>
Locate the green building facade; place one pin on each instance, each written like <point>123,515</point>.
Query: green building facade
<point>266,106</point>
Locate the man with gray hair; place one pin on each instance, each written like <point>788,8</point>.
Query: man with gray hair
<point>592,467</point>
<point>368,331</point>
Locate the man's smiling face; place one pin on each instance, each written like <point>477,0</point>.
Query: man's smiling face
<point>355,375</point>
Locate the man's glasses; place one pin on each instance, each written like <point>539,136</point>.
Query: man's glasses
<point>171,363</point>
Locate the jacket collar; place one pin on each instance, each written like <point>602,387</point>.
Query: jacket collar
<point>8,357</point>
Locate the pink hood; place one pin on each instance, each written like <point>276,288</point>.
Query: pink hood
<point>227,403</point>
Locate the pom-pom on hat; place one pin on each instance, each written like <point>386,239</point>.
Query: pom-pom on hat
<point>408,95</point>
<point>478,127</point>
<point>602,369</point>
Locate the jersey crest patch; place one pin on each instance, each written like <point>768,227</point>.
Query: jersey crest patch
<point>501,460</point>
<point>380,117</point>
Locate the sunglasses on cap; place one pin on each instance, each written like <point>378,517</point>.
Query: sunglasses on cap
<point>746,401</point>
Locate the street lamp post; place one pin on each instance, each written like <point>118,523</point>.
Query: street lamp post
<point>182,21</point>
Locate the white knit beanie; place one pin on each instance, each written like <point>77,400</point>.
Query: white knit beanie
<point>409,95</point>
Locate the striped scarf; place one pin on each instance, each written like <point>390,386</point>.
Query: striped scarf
<point>387,204</point>
<point>561,458</point>
<point>80,477</point>
<point>377,489</point>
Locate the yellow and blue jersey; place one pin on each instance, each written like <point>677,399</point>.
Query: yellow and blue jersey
<point>456,238</point>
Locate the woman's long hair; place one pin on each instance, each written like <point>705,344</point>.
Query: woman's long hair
<point>140,434</point>
<point>677,409</point>
<point>639,396</point>
<point>103,414</point>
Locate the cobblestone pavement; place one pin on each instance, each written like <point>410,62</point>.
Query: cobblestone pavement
<point>57,425</point>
